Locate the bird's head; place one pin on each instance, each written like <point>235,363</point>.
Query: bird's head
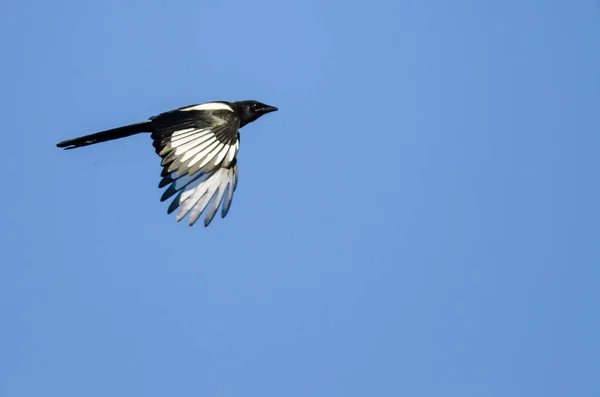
<point>252,110</point>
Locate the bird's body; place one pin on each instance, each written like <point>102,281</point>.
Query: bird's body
<point>198,145</point>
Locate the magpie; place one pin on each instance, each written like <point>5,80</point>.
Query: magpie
<point>198,145</point>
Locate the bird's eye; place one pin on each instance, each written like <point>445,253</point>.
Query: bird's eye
<point>255,105</point>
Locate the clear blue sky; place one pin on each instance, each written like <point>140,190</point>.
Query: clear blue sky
<point>420,218</point>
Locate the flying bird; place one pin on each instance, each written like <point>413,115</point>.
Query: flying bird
<point>198,145</point>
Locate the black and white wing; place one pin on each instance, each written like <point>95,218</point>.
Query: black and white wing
<point>198,145</point>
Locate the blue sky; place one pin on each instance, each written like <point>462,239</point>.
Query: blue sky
<point>420,218</point>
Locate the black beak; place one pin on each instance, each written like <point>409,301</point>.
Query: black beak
<point>267,109</point>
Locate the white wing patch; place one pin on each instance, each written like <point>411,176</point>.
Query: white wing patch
<point>202,169</point>
<point>181,133</point>
<point>210,191</point>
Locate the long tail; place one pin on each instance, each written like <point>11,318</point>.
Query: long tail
<point>108,135</point>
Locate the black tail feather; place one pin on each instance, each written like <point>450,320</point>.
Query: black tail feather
<point>107,135</point>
